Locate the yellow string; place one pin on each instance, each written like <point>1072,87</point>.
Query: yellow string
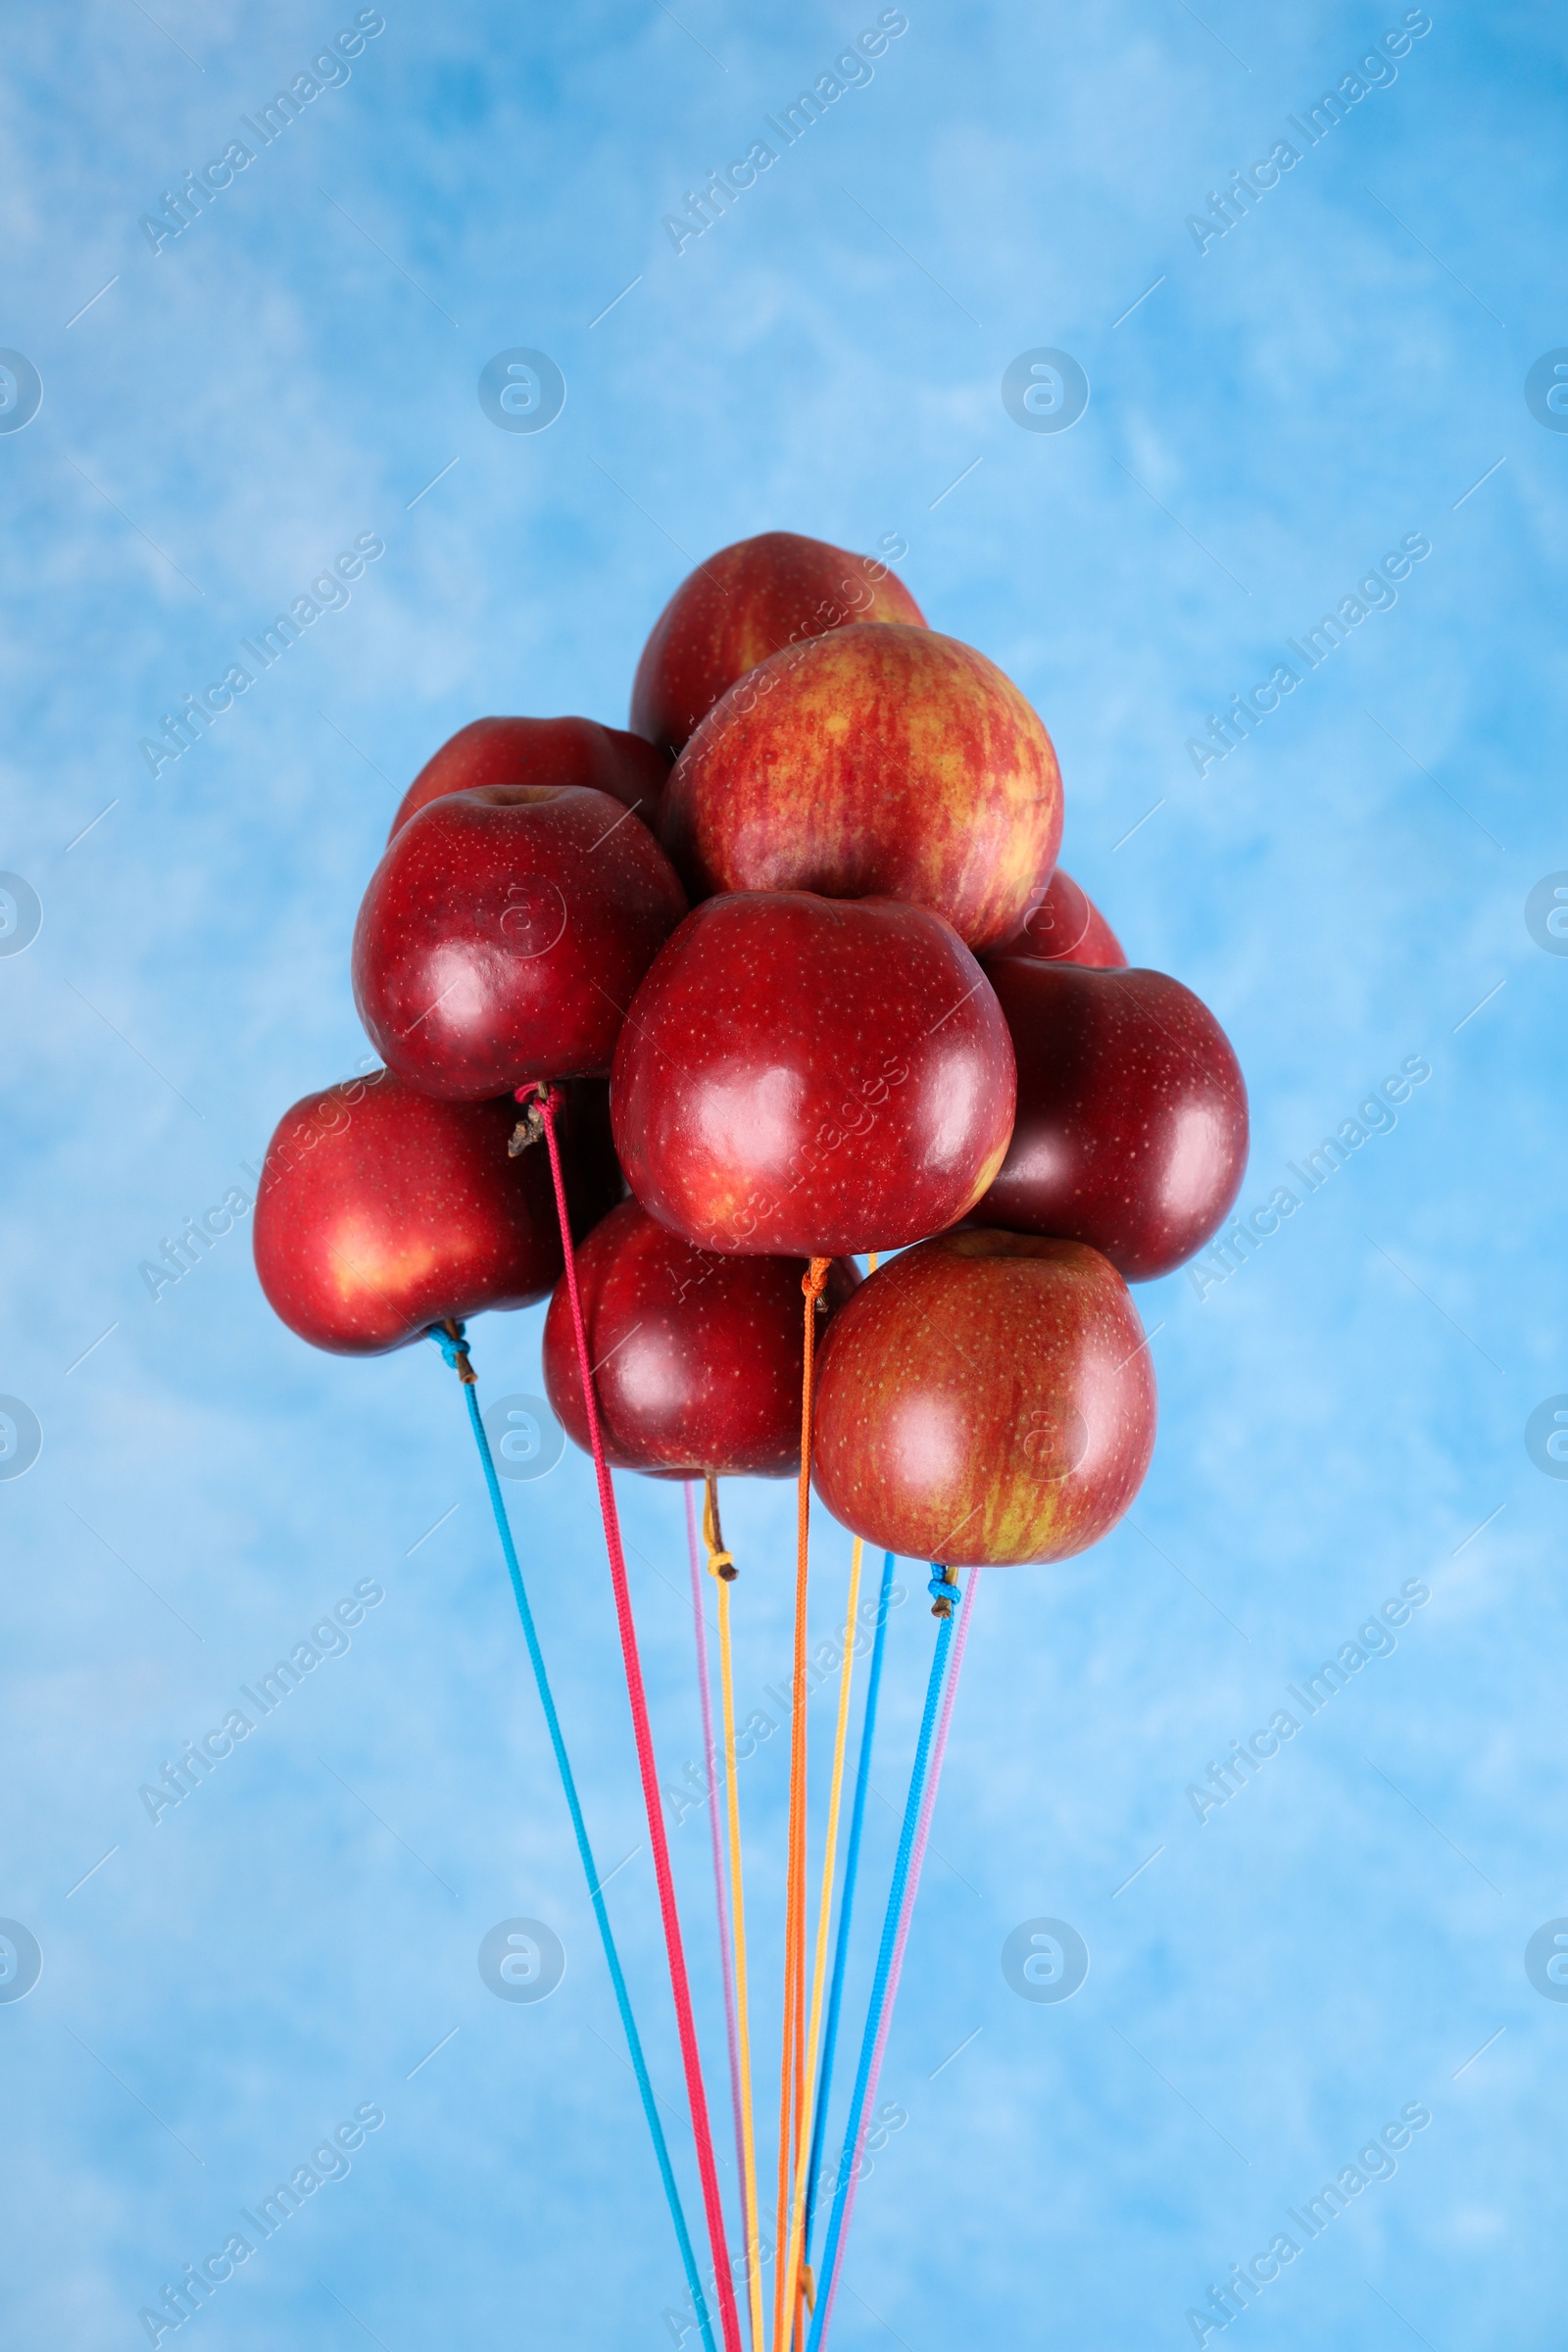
<point>819,1967</point>
<point>797,2283</point>
<point>718,1560</point>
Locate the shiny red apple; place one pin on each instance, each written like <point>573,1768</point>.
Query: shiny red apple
<point>697,1357</point>
<point>742,605</point>
<point>985,1397</point>
<point>1132,1129</point>
<point>381,1212</point>
<point>1066,927</point>
<point>542,750</point>
<point>801,1076</point>
<point>503,934</point>
<point>876,761</point>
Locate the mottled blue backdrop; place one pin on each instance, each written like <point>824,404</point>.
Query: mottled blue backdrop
<point>232,390</point>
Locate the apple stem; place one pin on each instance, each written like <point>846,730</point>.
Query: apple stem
<point>721,1563</point>
<point>532,1126</point>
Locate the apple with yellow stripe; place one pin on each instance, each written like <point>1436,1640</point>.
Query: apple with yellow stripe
<point>985,1397</point>
<point>876,761</point>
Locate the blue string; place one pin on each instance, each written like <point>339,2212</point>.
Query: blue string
<point>453,1348</point>
<point>851,1864</point>
<point>884,1958</point>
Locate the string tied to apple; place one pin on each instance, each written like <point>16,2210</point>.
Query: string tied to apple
<point>451,1340</point>
<point>533,1095</point>
<point>530,1127</point>
<point>550,1101</point>
<point>925,1778</point>
<point>799,2041</point>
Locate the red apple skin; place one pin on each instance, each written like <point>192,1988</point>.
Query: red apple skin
<point>1132,1123</point>
<point>742,605</point>
<point>985,1398</point>
<point>874,762</point>
<point>542,750</point>
<point>381,1212</point>
<point>699,1357</point>
<point>1068,927</point>
<point>812,1077</point>
<point>503,934</point>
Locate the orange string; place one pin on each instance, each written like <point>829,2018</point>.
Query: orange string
<point>792,2070</point>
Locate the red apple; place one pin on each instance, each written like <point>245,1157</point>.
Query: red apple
<point>812,1077</point>
<point>542,750</point>
<point>1132,1129</point>
<point>503,934</point>
<point>987,1398</point>
<point>697,1357</point>
<point>1068,927</point>
<point>381,1212</point>
<point>742,605</point>
<point>876,761</point>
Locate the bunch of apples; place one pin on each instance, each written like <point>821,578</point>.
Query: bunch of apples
<point>798,956</point>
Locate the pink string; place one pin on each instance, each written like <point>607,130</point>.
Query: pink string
<point>922,1835</point>
<point>720,1874</point>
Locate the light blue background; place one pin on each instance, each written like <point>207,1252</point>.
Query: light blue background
<point>1337,1418</point>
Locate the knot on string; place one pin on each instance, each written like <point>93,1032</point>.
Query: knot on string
<point>944,1590</point>
<point>808,2286</point>
<point>814,1281</point>
<point>535,1100</point>
<point>452,1341</point>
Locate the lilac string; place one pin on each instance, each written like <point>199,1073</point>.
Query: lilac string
<point>720,1881</point>
<point>960,1637</point>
